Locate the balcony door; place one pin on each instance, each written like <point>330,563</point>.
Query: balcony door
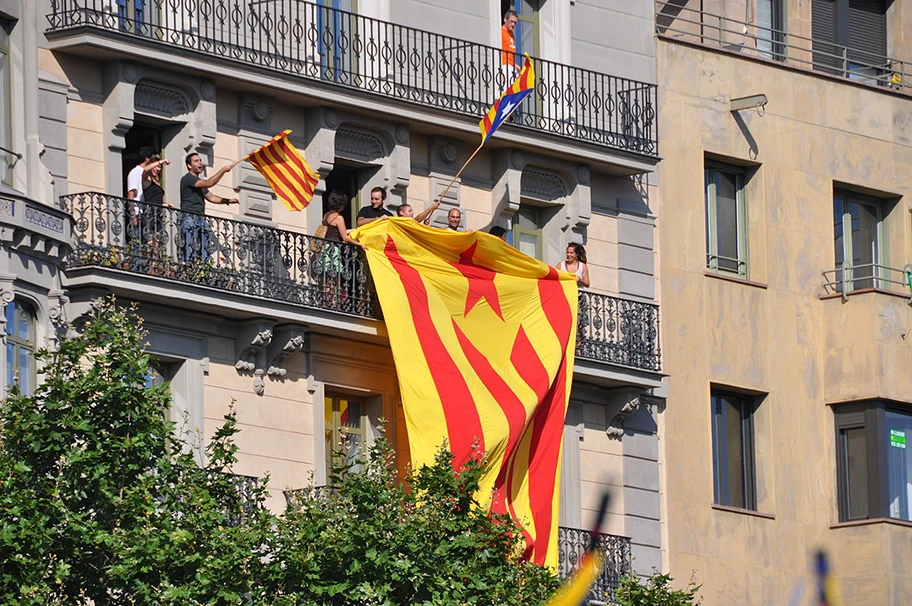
<point>528,39</point>
<point>857,239</point>
<point>337,26</point>
<point>850,37</point>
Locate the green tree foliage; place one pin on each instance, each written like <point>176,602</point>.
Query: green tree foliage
<point>101,502</point>
<point>655,591</point>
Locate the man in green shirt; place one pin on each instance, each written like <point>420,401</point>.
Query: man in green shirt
<point>194,192</point>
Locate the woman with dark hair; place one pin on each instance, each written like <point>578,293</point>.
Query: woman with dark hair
<point>330,260</point>
<point>576,263</point>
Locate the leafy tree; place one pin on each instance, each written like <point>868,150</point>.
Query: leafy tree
<point>656,591</point>
<point>101,502</point>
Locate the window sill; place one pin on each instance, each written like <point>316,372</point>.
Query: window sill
<point>871,522</point>
<point>736,279</point>
<point>749,512</point>
<point>864,291</point>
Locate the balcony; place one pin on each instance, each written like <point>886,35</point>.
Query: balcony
<point>735,35</point>
<point>262,262</point>
<point>868,277</point>
<point>572,543</point>
<point>401,64</point>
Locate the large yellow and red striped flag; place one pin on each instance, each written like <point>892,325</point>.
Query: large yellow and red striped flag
<point>483,339</point>
<point>286,171</point>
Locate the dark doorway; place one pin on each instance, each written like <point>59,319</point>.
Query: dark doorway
<point>347,181</point>
<point>135,138</point>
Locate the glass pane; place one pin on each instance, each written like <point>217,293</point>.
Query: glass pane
<point>864,243</point>
<point>899,464</point>
<point>727,221</point>
<point>10,364</point>
<point>529,218</point>
<point>24,324</point>
<point>734,452</point>
<point>710,193</point>
<point>856,466</point>
<point>25,371</point>
<point>528,243</point>
<point>4,113</point>
<point>10,316</point>
<point>350,414</point>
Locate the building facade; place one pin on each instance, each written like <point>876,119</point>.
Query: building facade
<point>377,93</point>
<point>785,240</point>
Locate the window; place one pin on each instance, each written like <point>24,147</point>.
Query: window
<point>726,221</point>
<point>849,37</point>
<point>770,29</point>
<point>857,240</point>
<point>20,347</point>
<point>345,428</point>
<point>873,461</point>
<point>527,231</point>
<point>6,164</point>
<point>733,449</point>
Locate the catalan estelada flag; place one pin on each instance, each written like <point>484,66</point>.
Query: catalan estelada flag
<point>509,101</point>
<point>483,339</point>
<point>283,166</point>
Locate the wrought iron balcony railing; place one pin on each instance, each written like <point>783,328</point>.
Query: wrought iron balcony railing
<point>676,20</point>
<point>867,276</point>
<point>572,543</point>
<point>286,266</point>
<point>221,253</point>
<point>619,331</point>
<point>346,49</point>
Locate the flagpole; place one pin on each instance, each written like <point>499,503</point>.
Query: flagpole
<point>474,153</point>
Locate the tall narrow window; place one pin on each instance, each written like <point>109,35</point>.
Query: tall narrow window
<point>857,246</point>
<point>527,231</point>
<point>897,430</point>
<point>346,421</point>
<point>726,220</point>
<point>528,39</point>
<point>20,347</point>
<point>6,157</point>
<point>733,450</point>
<point>771,29</point>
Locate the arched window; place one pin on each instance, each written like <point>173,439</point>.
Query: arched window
<point>20,346</point>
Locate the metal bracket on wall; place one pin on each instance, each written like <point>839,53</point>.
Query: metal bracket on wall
<point>749,102</point>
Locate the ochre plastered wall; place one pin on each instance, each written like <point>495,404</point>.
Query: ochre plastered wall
<point>775,334</point>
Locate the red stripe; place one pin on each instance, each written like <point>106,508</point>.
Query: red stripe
<point>294,156</point>
<point>299,185</point>
<point>548,421</point>
<point>512,408</point>
<point>528,365</point>
<point>463,424</point>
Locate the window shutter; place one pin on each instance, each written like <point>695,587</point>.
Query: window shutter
<point>823,32</point>
<point>867,32</point>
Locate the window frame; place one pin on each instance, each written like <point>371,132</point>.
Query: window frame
<point>538,232</point>
<point>882,246</point>
<point>6,114</point>
<point>16,344</point>
<point>333,429</point>
<point>721,488</point>
<point>710,184</point>
<point>869,415</point>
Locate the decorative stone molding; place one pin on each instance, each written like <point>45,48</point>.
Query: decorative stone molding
<point>7,295</point>
<point>57,304</point>
<point>255,112</point>
<point>403,134</point>
<point>616,425</point>
<point>160,100</point>
<point>542,185</point>
<point>207,90</point>
<point>254,337</point>
<point>288,341</point>
<point>359,145</point>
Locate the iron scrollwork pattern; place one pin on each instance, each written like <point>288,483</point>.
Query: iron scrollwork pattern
<point>572,543</point>
<point>619,331</point>
<point>382,58</point>
<point>220,253</point>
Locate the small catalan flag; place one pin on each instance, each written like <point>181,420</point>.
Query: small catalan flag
<point>509,101</point>
<point>286,171</point>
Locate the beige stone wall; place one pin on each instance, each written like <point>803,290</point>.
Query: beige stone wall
<point>775,335</point>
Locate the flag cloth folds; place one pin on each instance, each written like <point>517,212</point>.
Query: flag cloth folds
<point>509,101</point>
<point>286,171</point>
<point>483,339</point>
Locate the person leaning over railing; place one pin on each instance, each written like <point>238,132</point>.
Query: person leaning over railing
<point>576,264</point>
<point>152,217</point>
<point>194,192</point>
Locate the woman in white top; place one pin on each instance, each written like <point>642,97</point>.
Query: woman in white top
<point>576,263</point>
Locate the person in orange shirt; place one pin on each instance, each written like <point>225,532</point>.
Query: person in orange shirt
<point>508,45</point>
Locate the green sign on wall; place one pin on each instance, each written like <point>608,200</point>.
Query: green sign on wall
<point>897,438</point>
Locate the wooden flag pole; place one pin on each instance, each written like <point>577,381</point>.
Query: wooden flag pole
<point>474,153</point>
